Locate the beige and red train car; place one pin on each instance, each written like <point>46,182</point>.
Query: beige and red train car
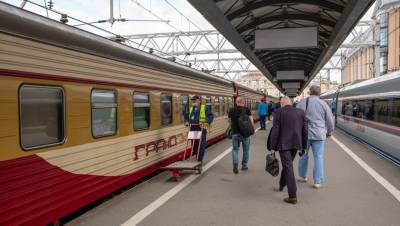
<point>82,116</point>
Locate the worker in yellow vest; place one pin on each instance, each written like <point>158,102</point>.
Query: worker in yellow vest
<point>199,113</point>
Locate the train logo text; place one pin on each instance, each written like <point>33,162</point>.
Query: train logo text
<point>158,145</point>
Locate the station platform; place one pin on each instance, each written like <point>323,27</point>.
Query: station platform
<point>362,188</point>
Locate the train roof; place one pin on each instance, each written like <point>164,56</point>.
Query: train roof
<point>247,89</point>
<point>388,83</point>
<point>329,94</point>
<point>19,22</point>
<point>252,90</point>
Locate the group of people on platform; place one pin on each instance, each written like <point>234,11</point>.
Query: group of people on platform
<point>295,129</point>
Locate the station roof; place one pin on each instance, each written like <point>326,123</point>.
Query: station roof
<point>241,21</point>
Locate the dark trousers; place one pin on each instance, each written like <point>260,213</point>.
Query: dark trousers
<point>287,175</point>
<point>262,121</point>
<point>203,144</point>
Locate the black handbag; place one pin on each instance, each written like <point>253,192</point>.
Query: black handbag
<point>272,165</point>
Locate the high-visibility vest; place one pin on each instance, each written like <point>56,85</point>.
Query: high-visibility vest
<point>203,117</point>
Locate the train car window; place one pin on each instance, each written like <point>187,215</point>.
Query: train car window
<point>227,104</point>
<point>184,107</point>
<point>396,112</point>
<point>141,111</point>
<point>104,112</point>
<point>366,109</point>
<point>208,101</point>
<point>347,108</point>
<point>230,103</point>
<point>223,102</point>
<point>42,116</point>
<point>166,109</point>
<point>216,106</point>
<point>382,110</point>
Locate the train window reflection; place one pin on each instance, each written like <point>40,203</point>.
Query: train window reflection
<point>396,112</point>
<point>207,100</point>
<point>166,109</point>
<point>141,111</point>
<point>216,106</point>
<point>41,116</point>
<point>223,101</point>
<point>104,112</point>
<point>184,107</point>
<point>379,110</point>
<point>230,103</point>
<point>382,111</point>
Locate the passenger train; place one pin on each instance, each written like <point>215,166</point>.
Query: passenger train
<point>370,111</point>
<point>82,116</point>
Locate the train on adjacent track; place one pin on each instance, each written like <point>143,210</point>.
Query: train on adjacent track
<point>82,116</point>
<point>370,111</point>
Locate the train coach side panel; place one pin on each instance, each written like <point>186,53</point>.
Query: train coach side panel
<point>44,184</point>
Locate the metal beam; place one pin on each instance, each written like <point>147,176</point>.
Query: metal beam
<point>212,13</point>
<point>288,55</point>
<point>284,17</point>
<point>352,13</point>
<point>257,5</point>
<point>284,59</point>
<point>311,52</point>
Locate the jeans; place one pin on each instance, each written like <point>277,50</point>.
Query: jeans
<point>236,140</point>
<point>317,147</point>
<point>262,121</point>
<point>203,145</point>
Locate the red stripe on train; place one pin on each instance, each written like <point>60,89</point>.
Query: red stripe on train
<point>379,126</point>
<point>34,192</point>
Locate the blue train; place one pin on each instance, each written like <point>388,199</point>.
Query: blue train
<point>370,111</point>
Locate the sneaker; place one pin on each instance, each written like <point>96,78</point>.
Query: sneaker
<point>302,179</point>
<point>317,186</point>
<point>245,168</point>
<point>235,168</point>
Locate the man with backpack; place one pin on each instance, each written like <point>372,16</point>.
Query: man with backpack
<point>242,125</point>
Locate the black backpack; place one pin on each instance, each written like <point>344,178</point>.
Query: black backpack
<point>244,124</point>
